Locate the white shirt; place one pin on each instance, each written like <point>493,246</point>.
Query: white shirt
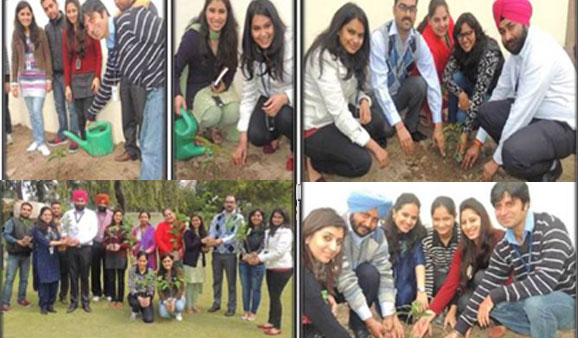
<point>276,253</point>
<point>546,81</point>
<point>83,225</point>
<point>254,88</point>
<point>327,96</point>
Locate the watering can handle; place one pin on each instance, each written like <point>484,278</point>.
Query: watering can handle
<point>190,121</point>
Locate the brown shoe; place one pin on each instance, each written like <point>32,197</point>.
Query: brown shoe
<point>24,303</point>
<point>123,157</point>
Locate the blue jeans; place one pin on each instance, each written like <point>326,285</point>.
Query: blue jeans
<point>16,262</point>
<point>455,114</point>
<point>152,136</point>
<point>62,107</point>
<point>179,307</point>
<point>251,281</point>
<point>538,316</point>
<point>34,105</point>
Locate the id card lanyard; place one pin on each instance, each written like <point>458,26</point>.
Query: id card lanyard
<point>528,264</point>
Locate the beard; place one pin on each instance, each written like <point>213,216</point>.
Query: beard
<point>356,228</point>
<point>516,45</point>
<point>79,207</point>
<point>102,209</point>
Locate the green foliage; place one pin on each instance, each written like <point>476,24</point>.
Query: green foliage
<point>413,312</point>
<point>212,152</point>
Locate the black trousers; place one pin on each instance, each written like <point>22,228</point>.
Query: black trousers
<point>368,280</point>
<point>47,294</point>
<point>64,275</point>
<point>259,135</point>
<point>411,96</point>
<point>96,268</point>
<point>228,264</point>
<point>132,100</point>
<point>148,313</point>
<point>116,283</point>
<point>530,152</point>
<point>7,119</point>
<point>81,106</point>
<point>79,267</point>
<point>332,152</point>
<point>276,282</point>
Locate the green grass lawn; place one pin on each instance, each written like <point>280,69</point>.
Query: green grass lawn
<point>106,322</point>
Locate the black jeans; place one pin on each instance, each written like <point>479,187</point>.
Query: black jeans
<point>64,275</point>
<point>96,268</point>
<point>411,95</point>
<point>81,107</point>
<point>47,294</point>
<point>148,313</point>
<point>259,135</point>
<point>276,282</point>
<point>228,264</point>
<point>116,283</point>
<point>132,100</point>
<point>79,267</point>
<point>529,153</point>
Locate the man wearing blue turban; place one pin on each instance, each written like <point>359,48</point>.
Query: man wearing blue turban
<point>366,277</point>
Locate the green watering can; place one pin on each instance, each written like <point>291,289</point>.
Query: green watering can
<point>186,128</point>
<point>98,139</point>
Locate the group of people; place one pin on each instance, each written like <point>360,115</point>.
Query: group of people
<point>67,248</point>
<point>265,111</point>
<point>358,83</point>
<point>66,57</point>
<point>522,279</point>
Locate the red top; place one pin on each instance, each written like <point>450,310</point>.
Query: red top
<point>163,236</point>
<point>92,62</point>
<point>439,48</point>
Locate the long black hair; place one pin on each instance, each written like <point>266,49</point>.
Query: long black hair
<point>286,222</point>
<point>202,231</point>
<point>41,224</point>
<point>33,29</point>
<point>250,224</point>
<point>272,56</point>
<point>77,37</point>
<point>468,62</point>
<point>392,233</point>
<point>329,40</point>
<point>228,39</point>
<point>162,272</point>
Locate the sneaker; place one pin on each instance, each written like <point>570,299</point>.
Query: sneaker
<point>57,141</point>
<point>24,303</point>
<point>44,150</point>
<point>95,298</point>
<point>73,147</point>
<point>133,315</point>
<point>9,139</point>
<point>32,147</point>
<point>109,299</point>
<point>179,317</point>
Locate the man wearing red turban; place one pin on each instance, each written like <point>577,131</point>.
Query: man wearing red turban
<point>104,216</point>
<point>532,111</point>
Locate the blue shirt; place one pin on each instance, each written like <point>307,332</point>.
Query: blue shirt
<point>225,227</point>
<point>404,273</point>
<point>528,228</point>
<point>111,39</point>
<point>380,70</point>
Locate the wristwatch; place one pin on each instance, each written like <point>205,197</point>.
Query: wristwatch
<point>420,289</point>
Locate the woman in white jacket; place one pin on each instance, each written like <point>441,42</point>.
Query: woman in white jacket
<point>266,110</point>
<point>341,127</point>
<point>278,259</point>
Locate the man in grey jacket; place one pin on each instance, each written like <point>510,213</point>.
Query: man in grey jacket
<point>366,277</point>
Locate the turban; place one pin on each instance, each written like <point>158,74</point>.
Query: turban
<point>519,11</point>
<point>362,201</point>
<point>102,199</point>
<point>76,194</point>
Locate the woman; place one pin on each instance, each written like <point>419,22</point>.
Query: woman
<point>171,288</point>
<point>252,275</point>
<point>144,234</point>
<point>471,74</point>
<point>323,233</point>
<point>404,233</point>
<point>278,261</point>
<point>82,61</point>
<point>31,70</point>
<point>115,258</point>
<point>472,257</point>
<point>194,261</point>
<point>141,286</point>
<point>440,243</point>
<point>208,47</point>
<point>266,110</point>
<point>45,238</point>
<point>341,129</point>
<point>168,239</point>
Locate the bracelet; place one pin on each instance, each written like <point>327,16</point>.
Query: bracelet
<point>478,142</point>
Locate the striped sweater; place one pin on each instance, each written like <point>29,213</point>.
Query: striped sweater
<point>138,55</point>
<point>438,256</point>
<point>552,268</point>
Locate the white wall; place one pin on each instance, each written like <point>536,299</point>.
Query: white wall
<point>18,111</point>
<point>548,15</point>
<point>185,10</point>
<point>555,198</point>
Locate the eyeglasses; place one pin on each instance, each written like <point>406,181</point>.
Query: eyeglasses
<point>406,8</point>
<point>465,35</point>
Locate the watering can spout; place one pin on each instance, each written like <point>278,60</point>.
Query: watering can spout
<point>75,138</point>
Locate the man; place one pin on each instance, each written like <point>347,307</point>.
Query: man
<point>538,253</point>
<point>83,227</point>
<point>7,119</point>
<point>222,234</point>
<point>396,50</point>
<point>64,277</point>
<point>54,30</point>
<point>104,216</point>
<point>132,97</point>
<point>17,235</point>
<point>136,44</point>
<point>532,112</point>
<point>366,277</point>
